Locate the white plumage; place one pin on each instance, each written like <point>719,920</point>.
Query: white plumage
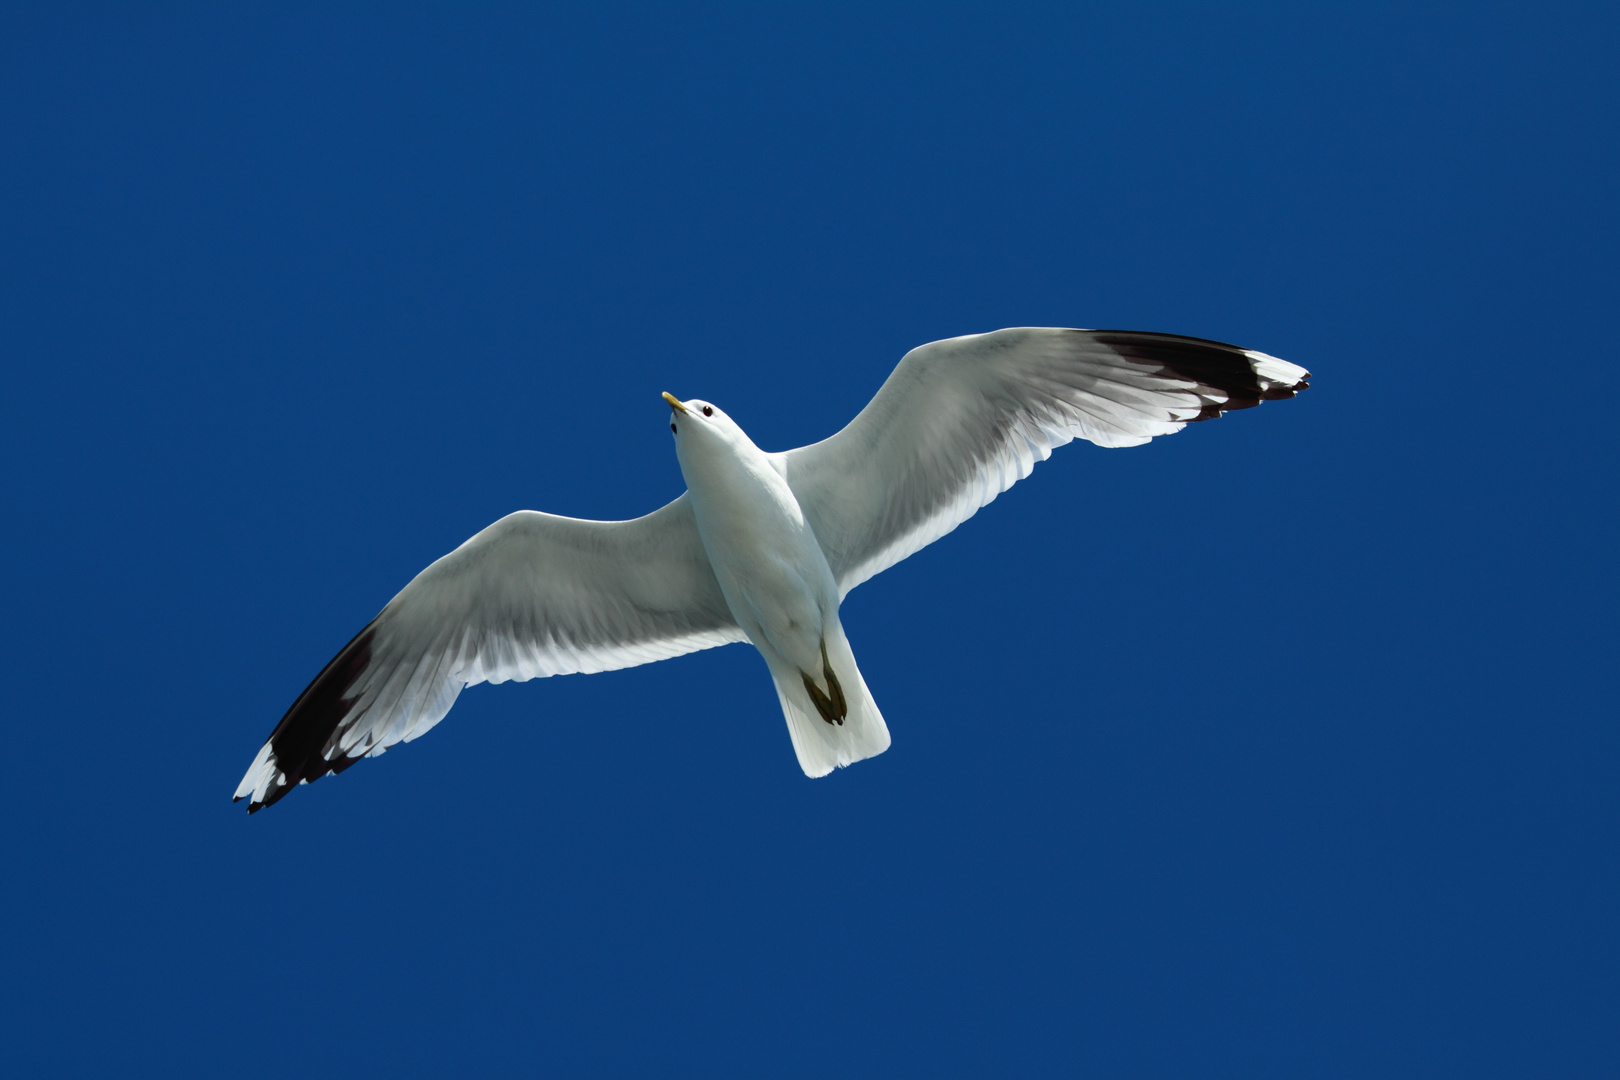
<point>762,547</point>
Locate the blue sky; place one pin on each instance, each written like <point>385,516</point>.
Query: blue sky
<point>1284,746</point>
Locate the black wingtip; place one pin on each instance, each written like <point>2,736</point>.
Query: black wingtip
<point>275,794</point>
<point>1219,365</point>
<point>1283,393</point>
<point>299,741</point>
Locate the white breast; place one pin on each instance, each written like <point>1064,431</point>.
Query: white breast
<point>764,553</point>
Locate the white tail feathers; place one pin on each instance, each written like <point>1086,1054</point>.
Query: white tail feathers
<point>823,747</point>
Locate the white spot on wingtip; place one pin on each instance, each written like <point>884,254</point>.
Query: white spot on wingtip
<point>1274,370</point>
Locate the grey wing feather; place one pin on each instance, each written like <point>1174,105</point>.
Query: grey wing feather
<point>960,421</point>
<point>532,595</point>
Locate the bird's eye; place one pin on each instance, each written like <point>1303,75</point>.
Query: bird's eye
<point>672,426</point>
<point>707,411</point>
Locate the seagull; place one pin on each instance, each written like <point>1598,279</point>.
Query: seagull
<point>762,547</point>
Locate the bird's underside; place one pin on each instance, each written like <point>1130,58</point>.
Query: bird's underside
<point>955,424</point>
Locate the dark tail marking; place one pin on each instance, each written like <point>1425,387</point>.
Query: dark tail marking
<point>831,705</point>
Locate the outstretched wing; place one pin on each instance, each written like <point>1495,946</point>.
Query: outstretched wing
<point>532,595</point>
<point>960,421</point>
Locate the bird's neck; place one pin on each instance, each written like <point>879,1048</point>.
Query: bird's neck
<point>735,479</point>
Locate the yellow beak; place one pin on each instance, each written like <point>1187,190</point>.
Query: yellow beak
<point>674,402</point>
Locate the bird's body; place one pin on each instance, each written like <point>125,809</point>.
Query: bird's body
<point>771,569</point>
<point>778,586</point>
<point>762,547</point>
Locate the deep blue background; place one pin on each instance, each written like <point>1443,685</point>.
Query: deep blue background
<point>1282,747</point>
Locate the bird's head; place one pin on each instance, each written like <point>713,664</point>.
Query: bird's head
<point>702,421</point>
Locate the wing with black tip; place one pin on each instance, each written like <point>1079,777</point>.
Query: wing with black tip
<point>530,596</point>
<point>962,420</point>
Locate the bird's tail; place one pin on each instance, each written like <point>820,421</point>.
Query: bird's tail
<point>835,723</point>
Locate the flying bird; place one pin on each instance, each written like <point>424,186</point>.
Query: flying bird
<point>762,547</point>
